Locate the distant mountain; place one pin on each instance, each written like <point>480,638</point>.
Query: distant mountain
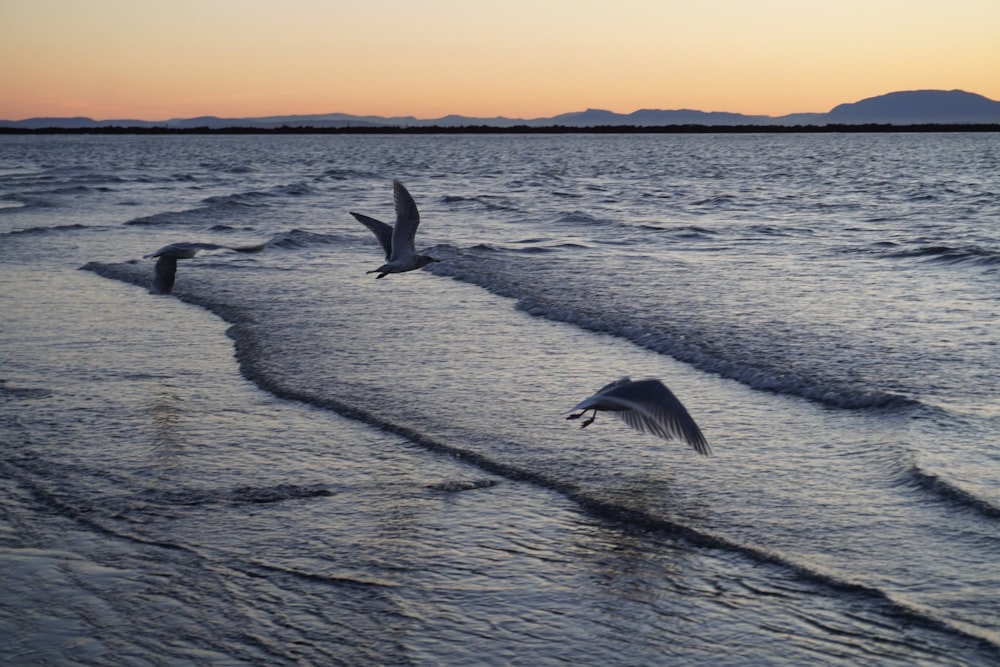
<point>919,106</point>
<point>652,117</point>
<point>899,108</point>
<point>73,122</point>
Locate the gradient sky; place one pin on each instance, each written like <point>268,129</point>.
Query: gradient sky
<point>161,59</point>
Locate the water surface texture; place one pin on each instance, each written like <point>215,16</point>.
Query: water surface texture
<point>288,462</point>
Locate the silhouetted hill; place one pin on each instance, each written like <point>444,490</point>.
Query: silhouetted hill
<point>651,117</point>
<point>73,122</point>
<point>944,107</point>
<point>919,106</point>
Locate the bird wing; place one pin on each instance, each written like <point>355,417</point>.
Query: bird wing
<point>183,250</point>
<point>649,406</point>
<point>407,219</point>
<point>164,273</point>
<point>167,249</point>
<point>381,230</point>
<point>595,400</point>
<point>204,246</point>
<point>611,385</point>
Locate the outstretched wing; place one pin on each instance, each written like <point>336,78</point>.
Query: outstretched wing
<point>382,231</point>
<point>164,273</point>
<point>204,246</point>
<point>407,219</point>
<point>183,250</point>
<point>595,401</point>
<point>649,406</point>
<point>611,385</point>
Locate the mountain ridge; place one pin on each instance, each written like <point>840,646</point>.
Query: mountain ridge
<point>895,108</point>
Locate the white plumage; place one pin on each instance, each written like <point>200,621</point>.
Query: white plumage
<point>398,241</point>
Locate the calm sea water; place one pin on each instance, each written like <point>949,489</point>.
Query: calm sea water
<point>289,462</point>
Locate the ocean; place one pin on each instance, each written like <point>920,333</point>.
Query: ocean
<point>289,462</point>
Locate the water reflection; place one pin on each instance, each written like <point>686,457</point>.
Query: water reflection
<point>166,414</point>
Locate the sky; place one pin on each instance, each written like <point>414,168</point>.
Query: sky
<point>163,59</point>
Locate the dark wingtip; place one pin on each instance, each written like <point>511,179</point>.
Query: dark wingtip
<point>250,248</point>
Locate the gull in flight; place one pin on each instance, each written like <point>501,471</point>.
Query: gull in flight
<point>165,270</point>
<point>397,241</point>
<point>647,406</point>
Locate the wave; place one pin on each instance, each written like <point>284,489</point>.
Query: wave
<point>236,496</point>
<point>255,197</point>
<point>62,181</point>
<point>255,365</point>
<point>9,206</point>
<point>949,491</point>
<point>952,254</point>
<point>346,174</point>
<point>757,374</point>
<point>253,368</point>
<point>204,215</point>
<point>38,231</point>
<point>46,198</point>
<point>682,233</point>
<point>487,266</point>
<point>37,197</point>
<point>642,231</point>
<point>582,305</point>
<point>234,168</point>
<point>207,214</point>
<point>580,218</point>
<point>459,485</point>
<point>82,516</point>
<point>486,202</point>
<point>529,246</point>
<point>354,580</point>
<point>111,516</point>
<point>14,392</point>
<point>221,206</point>
<point>298,238</point>
<point>720,202</point>
<point>17,202</point>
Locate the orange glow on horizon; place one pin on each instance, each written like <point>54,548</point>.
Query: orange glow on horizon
<point>116,59</point>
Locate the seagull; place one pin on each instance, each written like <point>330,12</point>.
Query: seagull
<point>165,270</point>
<point>397,241</point>
<point>647,406</point>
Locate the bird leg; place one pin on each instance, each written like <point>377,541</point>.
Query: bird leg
<point>587,422</point>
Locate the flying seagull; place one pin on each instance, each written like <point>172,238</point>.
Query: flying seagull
<point>647,406</point>
<point>165,270</point>
<point>397,241</point>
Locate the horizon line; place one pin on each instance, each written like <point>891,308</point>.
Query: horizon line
<point>491,117</point>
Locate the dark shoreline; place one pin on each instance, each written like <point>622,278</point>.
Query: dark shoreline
<point>519,129</point>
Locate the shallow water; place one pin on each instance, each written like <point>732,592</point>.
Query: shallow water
<point>379,472</point>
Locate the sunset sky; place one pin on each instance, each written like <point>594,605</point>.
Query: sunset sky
<point>162,59</point>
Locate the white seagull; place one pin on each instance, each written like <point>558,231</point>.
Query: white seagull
<point>397,241</point>
<point>647,406</point>
<point>165,270</point>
